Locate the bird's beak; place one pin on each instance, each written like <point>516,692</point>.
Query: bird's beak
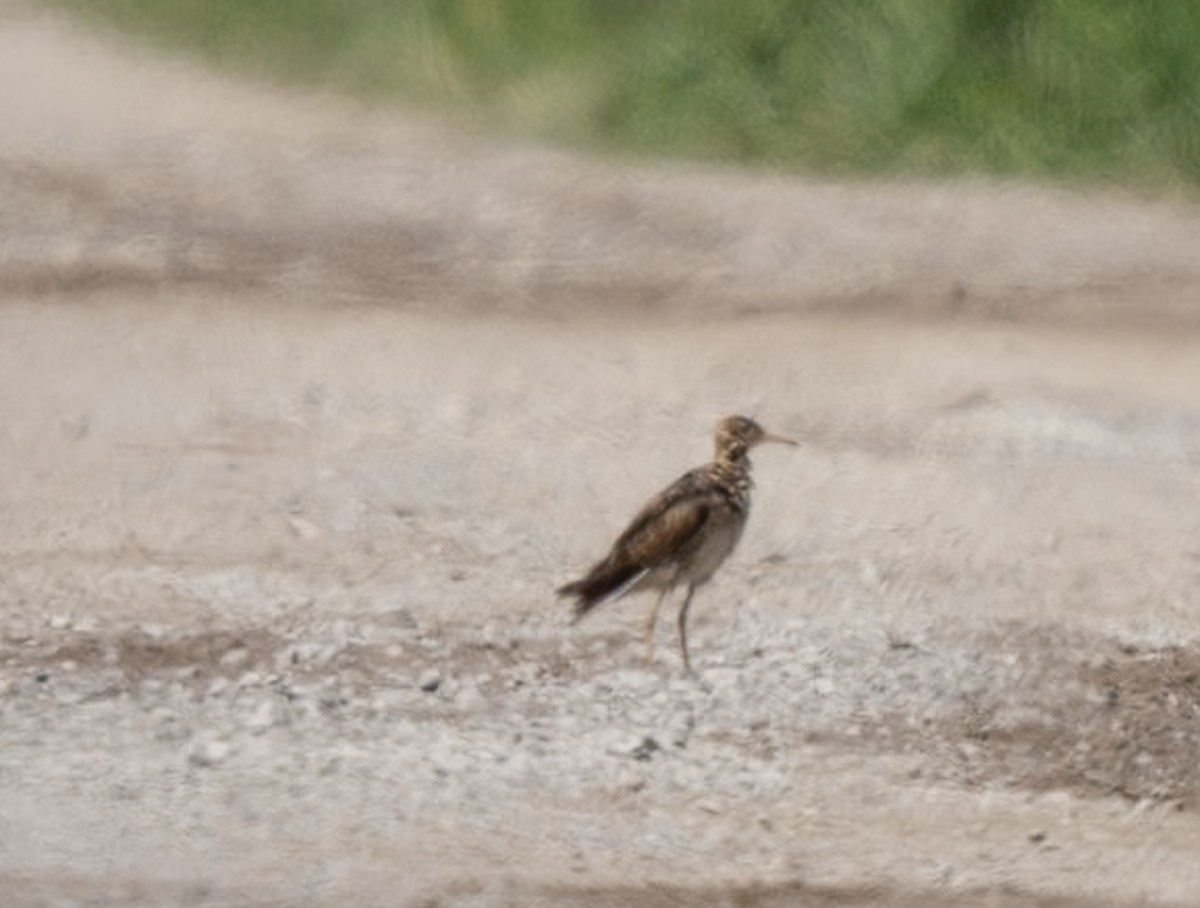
<point>768,438</point>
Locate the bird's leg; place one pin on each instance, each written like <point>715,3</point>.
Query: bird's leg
<point>683,613</point>
<point>651,621</point>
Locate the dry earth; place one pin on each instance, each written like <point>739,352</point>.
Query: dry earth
<point>305,409</point>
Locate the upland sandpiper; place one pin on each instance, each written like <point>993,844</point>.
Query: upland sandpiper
<point>683,534</point>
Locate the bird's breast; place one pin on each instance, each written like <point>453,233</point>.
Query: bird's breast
<point>736,496</point>
<point>724,531</point>
<point>733,484</point>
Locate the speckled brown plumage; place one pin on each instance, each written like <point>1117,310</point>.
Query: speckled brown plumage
<point>683,534</point>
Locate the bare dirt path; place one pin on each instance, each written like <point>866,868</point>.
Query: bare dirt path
<point>305,409</point>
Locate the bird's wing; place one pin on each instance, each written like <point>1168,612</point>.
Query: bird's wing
<point>666,524</point>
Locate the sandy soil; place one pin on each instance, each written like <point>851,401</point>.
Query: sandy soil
<point>305,409</point>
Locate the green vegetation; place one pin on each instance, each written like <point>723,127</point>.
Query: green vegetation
<point>1079,89</point>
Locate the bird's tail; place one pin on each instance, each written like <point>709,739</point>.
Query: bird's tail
<point>603,582</point>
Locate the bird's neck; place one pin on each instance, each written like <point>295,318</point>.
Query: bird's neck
<point>733,459</point>
<point>732,456</point>
<point>731,470</point>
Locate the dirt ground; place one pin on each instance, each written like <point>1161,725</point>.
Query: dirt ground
<point>306,408</point>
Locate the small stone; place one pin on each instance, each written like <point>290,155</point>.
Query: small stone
<point>262,718</point>
<point>207,752</point>
<point>633,680</point>
<point>86,624</point>
<point>312,653</point>
<point>330,766</point>
<point>1037,837</point>
<point>60,622</point>
<point>646,749</point>
<point>293,692</point>
<point>303,528</point>
<point>430,681</point>
<point>237,655</point>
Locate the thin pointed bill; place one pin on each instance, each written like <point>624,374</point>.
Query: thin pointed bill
<point>768,438</point>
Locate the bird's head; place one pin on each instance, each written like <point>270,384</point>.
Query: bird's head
<point>736,435</point>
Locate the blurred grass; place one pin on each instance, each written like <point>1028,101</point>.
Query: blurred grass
<point>1072,89</point>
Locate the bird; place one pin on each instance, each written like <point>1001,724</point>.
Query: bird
<point>682,535</point>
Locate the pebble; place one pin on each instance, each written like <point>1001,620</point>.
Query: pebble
<point>679,729</point>
<point>262,718</point>
<point>87,624</point>
<point>633,680</point>
<point>311,653</point>
<point>303,528</point>
<point>430,681</point>
<point>209,751</point>
<point>645,749</point>
<point>724,680</point>
<point>238,655</point>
